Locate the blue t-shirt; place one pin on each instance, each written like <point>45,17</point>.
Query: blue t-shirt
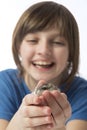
<point>13,89</point>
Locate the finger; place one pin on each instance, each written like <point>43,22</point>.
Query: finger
<point>52,103</point>
<point>61,99</point>
<point>30,99</point>
<point>35,111</point>
<point>38,121</point>
<point>40,83</point>
<point>64,95</point>
<point>57,111</point>
<point>45,127</point>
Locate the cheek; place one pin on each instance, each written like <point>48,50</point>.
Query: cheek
<point>65,56</point>
<point>62,56</point>
<point>63,53</point>
<point>26,58</point>
<point>26,52</point>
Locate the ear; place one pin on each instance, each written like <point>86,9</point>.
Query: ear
<point>19,55</point>
<point>20,58</point>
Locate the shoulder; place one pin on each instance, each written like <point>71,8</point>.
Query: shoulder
<point>77,89</point>
<point>9,75</point>
<point>78,85</point>
<point>79,81</point>
<point>11,81</point>
<point>10,93</point>
<point>8,72</point>
<point>9,78</point>
<point>77,96</point>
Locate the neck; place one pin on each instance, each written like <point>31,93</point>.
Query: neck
<point>31,83</point>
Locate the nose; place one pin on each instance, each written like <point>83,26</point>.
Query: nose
<point>44,48</point>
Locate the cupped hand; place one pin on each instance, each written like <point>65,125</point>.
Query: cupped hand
<point>60,107</point>
<point>33,115</point>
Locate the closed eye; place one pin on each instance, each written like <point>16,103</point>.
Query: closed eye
<point>58,43</point>
<point>31,41</point>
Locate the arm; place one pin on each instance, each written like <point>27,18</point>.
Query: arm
<point>3,124</point>
<point>76,125</point>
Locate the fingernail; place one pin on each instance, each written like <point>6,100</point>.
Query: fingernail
<point>50,126</point>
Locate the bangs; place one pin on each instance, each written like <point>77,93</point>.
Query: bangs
<point>45,18</point>
<point>41,23</point>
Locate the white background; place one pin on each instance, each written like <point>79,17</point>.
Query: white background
<point>11,10</point>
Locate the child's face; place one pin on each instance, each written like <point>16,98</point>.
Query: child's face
<point>44,55</point>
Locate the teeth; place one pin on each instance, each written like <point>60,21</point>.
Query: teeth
<point>42,63</point>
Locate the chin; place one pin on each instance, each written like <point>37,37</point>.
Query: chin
<point>43,78</point>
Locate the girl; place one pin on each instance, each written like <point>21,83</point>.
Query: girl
<point>45,49</point>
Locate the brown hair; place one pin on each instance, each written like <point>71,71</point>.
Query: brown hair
<point>44,15</point>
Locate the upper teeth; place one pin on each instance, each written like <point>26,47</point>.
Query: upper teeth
<point>42,63</point>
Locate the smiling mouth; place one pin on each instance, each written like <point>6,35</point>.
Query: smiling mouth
<point>43,64</point>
